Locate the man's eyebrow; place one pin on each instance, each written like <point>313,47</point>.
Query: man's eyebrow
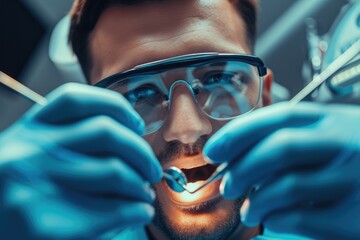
<point>206,49</point>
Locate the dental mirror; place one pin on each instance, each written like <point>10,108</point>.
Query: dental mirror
<point>175,179</point>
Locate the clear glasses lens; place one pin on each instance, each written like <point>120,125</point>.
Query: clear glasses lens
<point>223,90</point>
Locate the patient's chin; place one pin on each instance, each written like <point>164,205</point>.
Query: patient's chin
<point>216,222</point>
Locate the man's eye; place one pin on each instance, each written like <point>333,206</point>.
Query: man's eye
<point>224,78</point>
<point>218,78</point>
<point>139,94</point>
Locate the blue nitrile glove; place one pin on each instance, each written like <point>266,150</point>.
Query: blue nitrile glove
<point>304,161</point>
<point>76,168</point>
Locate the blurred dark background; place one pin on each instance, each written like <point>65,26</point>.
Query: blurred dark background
<point>26,26</point>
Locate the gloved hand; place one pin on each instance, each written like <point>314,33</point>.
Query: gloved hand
<point>76,168</point>
<point>304,161</point>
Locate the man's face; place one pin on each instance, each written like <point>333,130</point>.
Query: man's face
<point>128,36</point>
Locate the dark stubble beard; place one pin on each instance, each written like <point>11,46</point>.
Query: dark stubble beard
<point>224,227</point>
<point>174,230</point>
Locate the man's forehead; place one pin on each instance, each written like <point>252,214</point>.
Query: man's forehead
<point>169,3</point>
<point>151,31</point>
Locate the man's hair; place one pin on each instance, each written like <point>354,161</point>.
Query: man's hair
<point>85,14</point>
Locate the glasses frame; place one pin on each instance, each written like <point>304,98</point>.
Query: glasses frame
<point>183,61</point>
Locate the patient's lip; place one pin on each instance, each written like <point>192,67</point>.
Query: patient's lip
<point>203,206</point>
<point>187,162</point>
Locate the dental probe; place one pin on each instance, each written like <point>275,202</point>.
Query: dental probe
<point>339,62</point>
<point>176,179</point>
<point>349,54</point>
<point>21,89</point>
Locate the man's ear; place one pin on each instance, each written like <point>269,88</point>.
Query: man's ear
<point>266,92</point>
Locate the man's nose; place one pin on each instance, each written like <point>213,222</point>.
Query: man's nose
<point>185,121</point>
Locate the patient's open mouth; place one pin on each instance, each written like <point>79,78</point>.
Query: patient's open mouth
<point>199,173</point>
<point>196,176</point>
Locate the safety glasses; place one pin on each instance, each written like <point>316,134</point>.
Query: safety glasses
<point>224,86</point>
